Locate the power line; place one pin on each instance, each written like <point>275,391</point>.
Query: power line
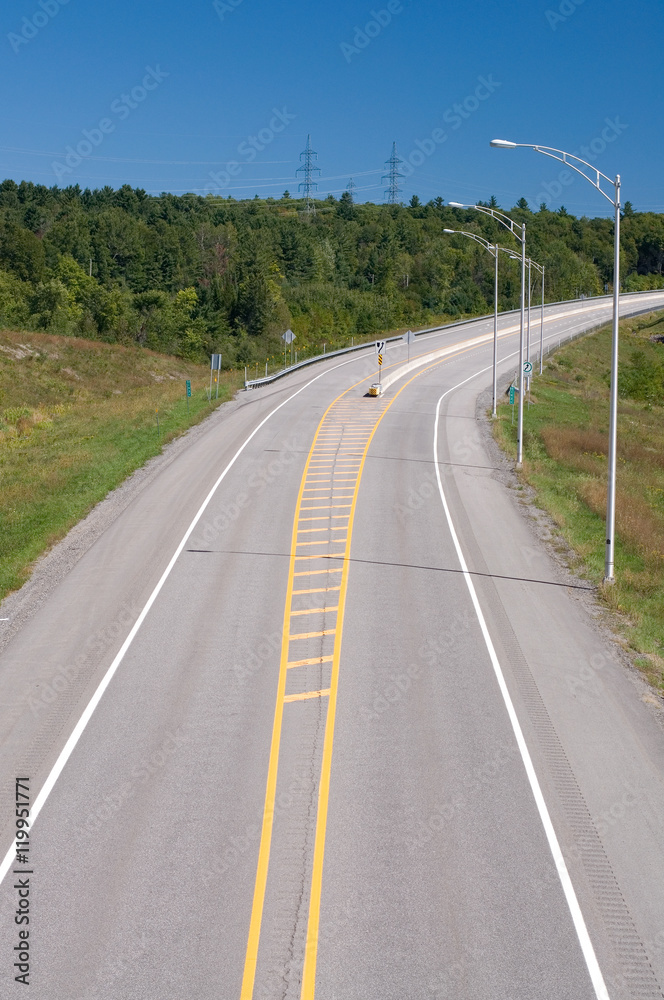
<point>308,185</point>
<point>393,177</point>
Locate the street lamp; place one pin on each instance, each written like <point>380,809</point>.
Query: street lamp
<point>518,230</point>
<point>577,164</point>
<point>540,268</point>
<point>493,249</point>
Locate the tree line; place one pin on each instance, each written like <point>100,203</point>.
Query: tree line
<point>189,275</point>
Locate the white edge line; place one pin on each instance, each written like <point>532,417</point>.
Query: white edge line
<point>572,902</point>
<point>69,746</point>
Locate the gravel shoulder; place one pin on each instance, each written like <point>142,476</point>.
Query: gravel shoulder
<point>51,568</point>
<point>546,532</point>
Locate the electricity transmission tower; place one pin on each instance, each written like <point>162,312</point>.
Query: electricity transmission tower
<point>351,189</point>
<point>393,177</point>
<point>308,185</point>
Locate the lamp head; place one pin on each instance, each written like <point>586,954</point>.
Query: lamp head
<point>455,204</point>
<point>449,230</point>
<point>502,144</point>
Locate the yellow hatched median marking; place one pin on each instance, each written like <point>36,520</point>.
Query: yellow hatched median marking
<point>324,541</point>
<point>314,611</point>
<point>322,517</point>
<point>313,531</point>
<point>311,949</point>
<point>314,661</point>
<point>312,635</point>
<point>324,555</point>
<point>253,940</point>
<point>306,695</point>
<point>328,506</point>
<point>316,590</point>
<point>318,572</point>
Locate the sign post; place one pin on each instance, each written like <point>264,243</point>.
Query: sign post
<point>215,366</point>
<point>410,339</point>
<point>527,371</point>
<point>188,395</point>
<point>288,337</point>
<point>380,347</point>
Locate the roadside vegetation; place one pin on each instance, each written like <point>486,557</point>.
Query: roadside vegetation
<point>76,418</point>
<point>565,460</point>
<point>193,275</point>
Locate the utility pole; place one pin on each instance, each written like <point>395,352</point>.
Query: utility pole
<point>393,177</point>
<point>308,185</point>
<point>351,187</point>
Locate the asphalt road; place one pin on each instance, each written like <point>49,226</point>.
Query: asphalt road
<point>329,760</point>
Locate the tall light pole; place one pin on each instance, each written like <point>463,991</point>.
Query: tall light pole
<point>493,249</point>
<point>540,268</point>
<point>581,167</point>
<point>542,327</point>
<point>529,290</point>
<point>518,230</point>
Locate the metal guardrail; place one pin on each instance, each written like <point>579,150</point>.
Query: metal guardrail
<point>257,383</point>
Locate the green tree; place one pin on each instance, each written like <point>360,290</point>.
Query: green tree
<point>21,252</point>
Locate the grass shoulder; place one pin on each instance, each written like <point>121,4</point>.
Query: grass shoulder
<point>77,417</point>
<point>565,445</point>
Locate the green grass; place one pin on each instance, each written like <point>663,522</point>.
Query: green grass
<point>76,418</point>
<point>565,460</point>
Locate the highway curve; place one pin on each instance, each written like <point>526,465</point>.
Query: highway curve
<point>317,715</point>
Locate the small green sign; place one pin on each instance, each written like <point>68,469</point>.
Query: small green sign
<point>188,388</point>
<point>512,390</point>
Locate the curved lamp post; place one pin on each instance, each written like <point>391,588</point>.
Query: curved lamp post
<point>538,267</point>
<point>518,230</point>
<point>493,250</point>
<point>595,177</point>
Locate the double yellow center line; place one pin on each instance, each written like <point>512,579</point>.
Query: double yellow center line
<point>312,630</point>
<point>316,594</point>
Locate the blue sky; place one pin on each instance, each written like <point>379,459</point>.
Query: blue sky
<point>182,88</point>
